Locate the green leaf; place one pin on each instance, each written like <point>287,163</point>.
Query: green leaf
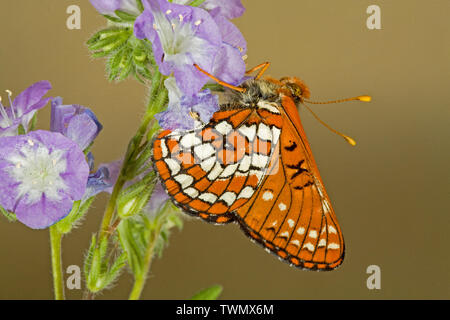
<point>196,3</point>
<point>113,19</point>
<point>124,16</point>
<point>211,293</point>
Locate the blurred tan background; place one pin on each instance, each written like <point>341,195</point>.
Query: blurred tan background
<point>390,192</point>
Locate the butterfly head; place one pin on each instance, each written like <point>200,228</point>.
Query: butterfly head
<point>295,88</point>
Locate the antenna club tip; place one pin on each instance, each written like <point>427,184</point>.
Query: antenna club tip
<point>350,141</point>
<point>365,98</point>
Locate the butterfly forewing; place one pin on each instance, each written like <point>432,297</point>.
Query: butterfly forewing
<point>291,214</point>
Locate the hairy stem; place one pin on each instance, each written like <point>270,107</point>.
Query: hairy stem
<point>55,244</point>
<point>140,279</point>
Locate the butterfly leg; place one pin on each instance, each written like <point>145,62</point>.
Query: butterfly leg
<point>223,83</point>
<point>262,66</point>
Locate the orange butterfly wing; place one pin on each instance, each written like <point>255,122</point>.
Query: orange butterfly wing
<point>291,214</point>
<point>211,171</point>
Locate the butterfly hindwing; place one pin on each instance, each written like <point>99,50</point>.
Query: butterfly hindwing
<point>213,170</point>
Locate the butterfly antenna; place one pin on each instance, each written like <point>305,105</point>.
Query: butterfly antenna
<point>347,138</point>
<point>363,98</point>
<point>358,98</point>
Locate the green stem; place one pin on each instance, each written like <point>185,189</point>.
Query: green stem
<point>158,98</point>
<point>140,279</point>
<point>55,244</point>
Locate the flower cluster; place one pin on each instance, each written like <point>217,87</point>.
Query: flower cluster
<point>183,36</point>
<point>43,173</point>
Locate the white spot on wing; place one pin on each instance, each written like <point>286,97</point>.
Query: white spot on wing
<point>164,149</point>
<point>190,140</point>
<point>284,235</point>
<point>215,172</point>
<point>223,127</point>
<point>291,223</point>
<point>191,192</point>
<point>313,234</point>
<point>246,193</point>
<point>301,230</point>
<point>228,197</point>
<point>208,197</point>
<point>295,243</point>
<point>204,151</point>
<point>331,229</point>
<point>309,246</point>
<point>267,196</point>
<point>282,206</point>
<point>229,170</point>
<point>245,163</point>
<point>260,160</point>
<point>268,106</point>
<point>333,246</point>
<point>322,243</point>
<point>249,132</point>
<point>184,180</point>
<point>264,132</point>
<point>208,164</point>
<point>173,165</point>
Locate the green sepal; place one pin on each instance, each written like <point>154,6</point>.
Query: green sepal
<point>133,234</point>
<point>99,270</point>
<point>147,233</point>
<point>124,16</point>
<point>33,122</point>
<point>134,198</point>
<point>211,293</point>
<point>8,215</point>
<point>78,211</point>
<point>140,5</point>
<point>196,3</point>
<point>21,130</point>
<point>111,18</point>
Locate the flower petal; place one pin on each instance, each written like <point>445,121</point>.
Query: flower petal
<point>108,7</point>
<point>229,65</point>
<point>31,98</point>
<point>229,8</point>
<point>41,175</point>
<point>76,122</point>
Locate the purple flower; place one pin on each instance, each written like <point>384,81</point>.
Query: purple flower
<point>41,174</point>
<point>109,7</point>
<point>181,36</point>
<point>177,116</point>
<point>76,122</point>
<point>104,179</point>
<point>23,108</point>
<point>228,8</point>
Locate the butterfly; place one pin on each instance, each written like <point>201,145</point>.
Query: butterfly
<point>252,164</point>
